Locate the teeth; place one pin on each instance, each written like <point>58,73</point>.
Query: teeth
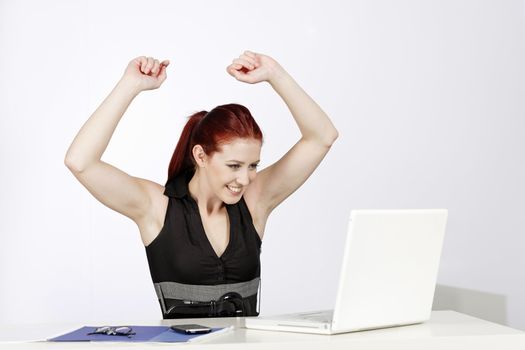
<point>234,189</point>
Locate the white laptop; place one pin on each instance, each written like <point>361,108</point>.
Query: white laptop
<point>388,275</point>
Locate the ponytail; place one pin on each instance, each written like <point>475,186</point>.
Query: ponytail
<point>182,158</point>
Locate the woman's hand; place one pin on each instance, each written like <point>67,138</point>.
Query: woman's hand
<point>145,73</point>
<point>253,68</point>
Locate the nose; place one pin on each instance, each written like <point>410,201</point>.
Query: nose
<point>243,179</point>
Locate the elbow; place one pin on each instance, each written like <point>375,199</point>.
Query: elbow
<point>326,139</point>
<point>72,165</point>
<point>330,137</point>
<point>335,135</point>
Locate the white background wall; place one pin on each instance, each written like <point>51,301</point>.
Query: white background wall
<point>428,97</point>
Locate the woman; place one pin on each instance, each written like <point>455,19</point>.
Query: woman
<point>203,230</point>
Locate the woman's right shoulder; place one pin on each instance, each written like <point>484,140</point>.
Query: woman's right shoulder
<point>151,223</point>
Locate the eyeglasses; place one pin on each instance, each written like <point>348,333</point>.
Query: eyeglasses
<point>107,330</point>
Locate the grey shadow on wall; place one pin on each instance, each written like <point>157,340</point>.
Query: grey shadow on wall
<point>488,306</point>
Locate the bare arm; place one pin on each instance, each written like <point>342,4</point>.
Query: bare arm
<point>114,188</point>
<point>279,180</point>
<point>314,124</point>
<point>93,138</point>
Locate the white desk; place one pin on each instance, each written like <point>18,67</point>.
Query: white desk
<point>445,330</point>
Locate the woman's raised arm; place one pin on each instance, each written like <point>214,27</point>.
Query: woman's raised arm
<point>114,188</point>
<point>93,138</point>
<point>279,180</point>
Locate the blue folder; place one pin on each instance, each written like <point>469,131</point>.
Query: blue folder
<point>143,334</point>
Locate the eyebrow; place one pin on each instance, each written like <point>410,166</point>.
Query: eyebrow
<point>238,161</point>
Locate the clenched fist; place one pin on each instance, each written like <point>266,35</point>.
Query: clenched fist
<point>252,68</point>
<point>145,73</point>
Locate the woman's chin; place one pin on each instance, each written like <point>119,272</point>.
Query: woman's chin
<point>230,198</point>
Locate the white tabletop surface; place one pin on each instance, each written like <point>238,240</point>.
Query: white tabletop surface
<point>445,330</point>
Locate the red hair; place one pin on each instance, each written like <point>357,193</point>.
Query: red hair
<point>210,130</point>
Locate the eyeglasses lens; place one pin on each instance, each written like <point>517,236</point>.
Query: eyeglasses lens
<point>123,330</point>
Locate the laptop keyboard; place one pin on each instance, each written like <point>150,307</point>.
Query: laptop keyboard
<point>321,316</point>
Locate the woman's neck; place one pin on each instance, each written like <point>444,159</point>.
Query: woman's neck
<point>207,201</point>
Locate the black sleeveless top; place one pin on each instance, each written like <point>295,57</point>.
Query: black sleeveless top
<point>182,252</point>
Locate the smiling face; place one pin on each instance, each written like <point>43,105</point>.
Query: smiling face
<point>230,171</point>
